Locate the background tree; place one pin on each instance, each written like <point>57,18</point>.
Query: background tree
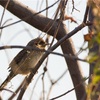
<point>94,81</point>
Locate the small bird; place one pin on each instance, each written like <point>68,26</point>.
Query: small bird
<point>25,60</point>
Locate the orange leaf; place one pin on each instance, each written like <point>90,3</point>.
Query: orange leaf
<point>71,18</point>
<point>88,36</point>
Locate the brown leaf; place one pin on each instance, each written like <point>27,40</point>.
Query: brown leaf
<point>88,37</point>
<point>71,18</point>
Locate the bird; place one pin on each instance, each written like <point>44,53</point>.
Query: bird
<point>25,60</point>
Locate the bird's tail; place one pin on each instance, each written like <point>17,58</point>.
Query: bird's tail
<point>10,76</point>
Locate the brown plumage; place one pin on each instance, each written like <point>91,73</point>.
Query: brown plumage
<point>25,60</point>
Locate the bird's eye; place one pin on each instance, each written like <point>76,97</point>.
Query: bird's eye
<point>41,42</point>
<point>36,43</point>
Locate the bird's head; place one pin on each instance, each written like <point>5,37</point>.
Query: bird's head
<point>38,42</point>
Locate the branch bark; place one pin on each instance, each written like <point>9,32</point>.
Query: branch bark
<point>41,22</point>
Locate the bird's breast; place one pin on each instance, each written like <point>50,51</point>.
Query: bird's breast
<point>26,64</point>
<point>34,58</point>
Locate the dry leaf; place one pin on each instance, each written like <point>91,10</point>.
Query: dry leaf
<point>71,18</point>
<point>88,36</point>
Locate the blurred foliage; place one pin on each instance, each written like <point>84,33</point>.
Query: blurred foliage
<point>93,89</point>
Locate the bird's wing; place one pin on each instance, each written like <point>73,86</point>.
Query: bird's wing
<point>22,55</point>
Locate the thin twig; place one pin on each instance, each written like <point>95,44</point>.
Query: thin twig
<point>3,16</point>
<point>4,12</point>
<point>35,86</point>
<point>71,89</point>
<point>61,9</point>
<point>48,51</point>
<point>86,14</point>
<point>53,83</point>
<point>43,85</point>
<point>74,7</point>
<point>7,90</point>
<point>17,90</point>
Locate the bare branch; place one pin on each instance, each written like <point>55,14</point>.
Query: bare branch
<point>48,51</point>
<point>86,14</point>
<point>72,90</point>
<point>53,83</point>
